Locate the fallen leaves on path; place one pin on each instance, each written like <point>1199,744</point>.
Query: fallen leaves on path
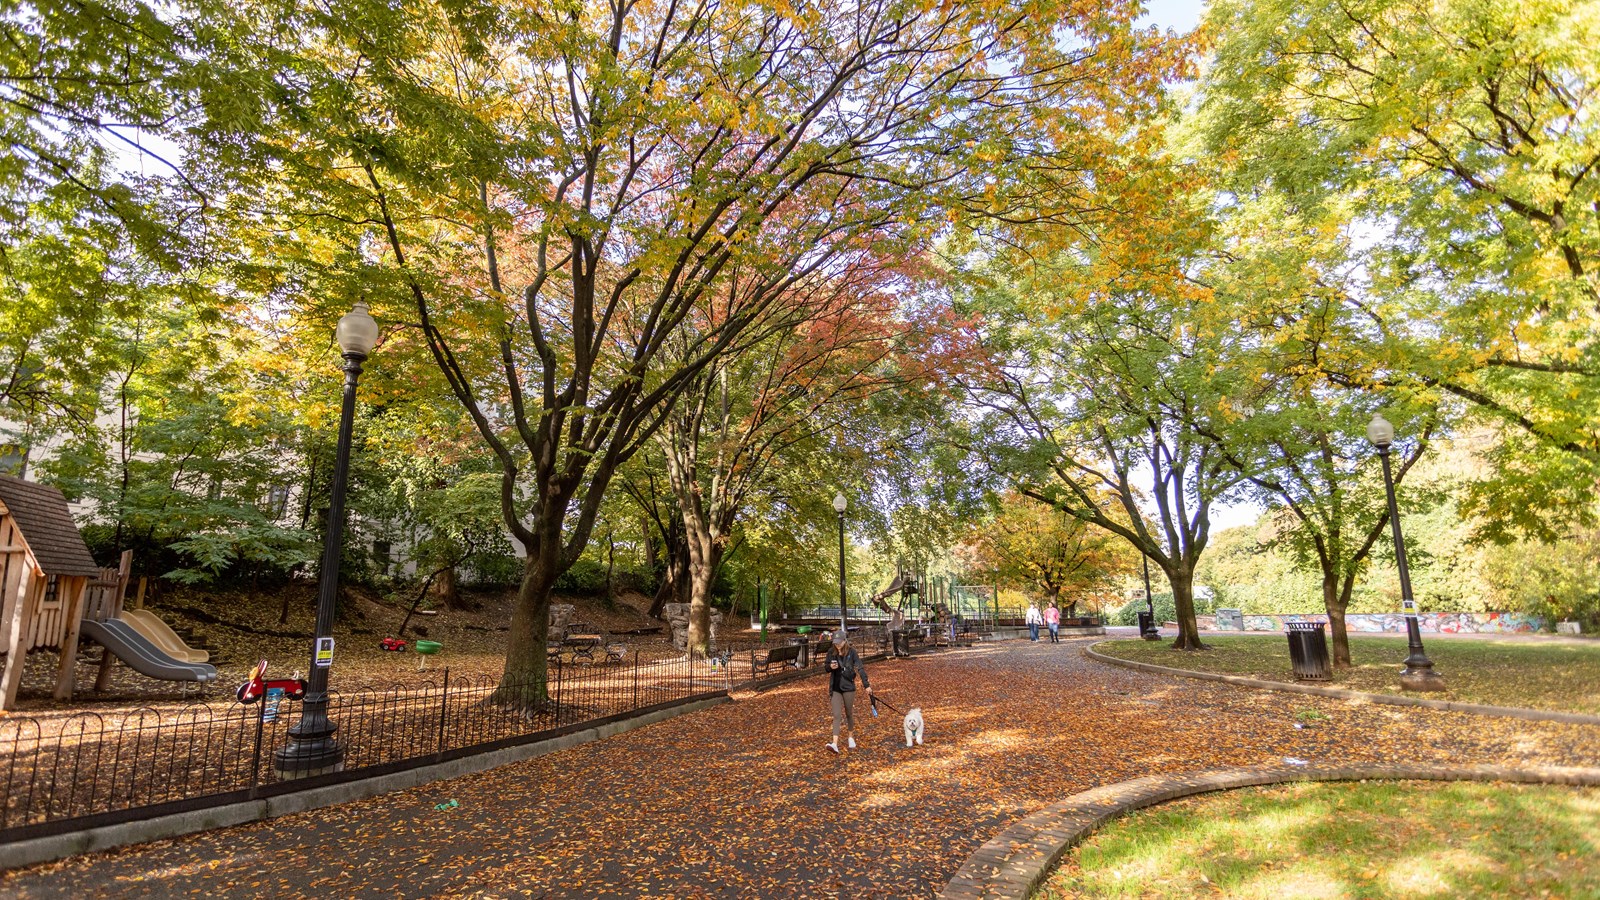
<point>743,800</point>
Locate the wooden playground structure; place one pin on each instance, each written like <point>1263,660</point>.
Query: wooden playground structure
<point>52,594</point>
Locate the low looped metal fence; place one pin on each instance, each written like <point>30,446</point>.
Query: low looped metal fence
<point>62,773</point>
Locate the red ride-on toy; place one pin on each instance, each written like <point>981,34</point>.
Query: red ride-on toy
<point>393,645</point>
<point>253,690</point>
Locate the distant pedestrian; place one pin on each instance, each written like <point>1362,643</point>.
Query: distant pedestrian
<point>1052,617</point>
<point>1034,620</point>
<point>843,665</point>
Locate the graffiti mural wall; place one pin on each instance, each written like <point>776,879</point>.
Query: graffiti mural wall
<point>1395,623</point>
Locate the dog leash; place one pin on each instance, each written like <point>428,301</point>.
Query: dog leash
<point>876,701</point>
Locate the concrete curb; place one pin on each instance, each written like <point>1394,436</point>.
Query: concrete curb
<point>105,837</point>
<point>1016,861</point>
<point>1481,709</point>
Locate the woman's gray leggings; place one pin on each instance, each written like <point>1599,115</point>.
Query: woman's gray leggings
<point>844,710</point>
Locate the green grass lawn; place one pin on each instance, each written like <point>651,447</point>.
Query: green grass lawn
<point>1372,840</point>
<point>1535,675</point>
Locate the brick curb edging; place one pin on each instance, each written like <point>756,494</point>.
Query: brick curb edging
<point>1015,862</point>
<point>1482,709</point>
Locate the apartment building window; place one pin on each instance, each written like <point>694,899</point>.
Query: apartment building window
<point>277,501</point>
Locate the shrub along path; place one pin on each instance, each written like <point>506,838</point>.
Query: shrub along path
<point>742,800</point>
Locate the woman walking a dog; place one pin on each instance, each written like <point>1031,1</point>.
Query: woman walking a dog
<point>843,665</point>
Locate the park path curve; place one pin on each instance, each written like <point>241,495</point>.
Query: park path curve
<point>741,800</point>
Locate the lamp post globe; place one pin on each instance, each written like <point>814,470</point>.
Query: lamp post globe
<point>1418,675</point>
<point>312,748</point>
<point>357,331</point>
<point>1380,432</point>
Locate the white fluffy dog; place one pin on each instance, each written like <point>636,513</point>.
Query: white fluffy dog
<point>913,726</point>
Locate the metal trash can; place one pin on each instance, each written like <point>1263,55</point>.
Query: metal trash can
<point>804,643</point>
<point>1147,626</point>
<point>1308,651</point>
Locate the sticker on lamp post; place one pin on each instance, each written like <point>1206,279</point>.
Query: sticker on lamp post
<point>324,657</point>
<point>1409,607</point>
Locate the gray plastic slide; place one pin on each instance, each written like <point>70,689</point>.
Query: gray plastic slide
<point>142,656</point>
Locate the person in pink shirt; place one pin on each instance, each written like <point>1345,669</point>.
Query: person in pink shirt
<point>1052,618</point>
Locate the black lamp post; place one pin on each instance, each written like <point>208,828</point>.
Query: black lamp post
<point>1153,633</point>
<point>1418,675</point>
<point>839,504</point>
<point>312,748</point>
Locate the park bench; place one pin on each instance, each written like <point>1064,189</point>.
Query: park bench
<point>782,657</point>
<point>616,651</point>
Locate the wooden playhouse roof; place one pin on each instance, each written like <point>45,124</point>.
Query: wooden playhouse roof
<point>46,524</point>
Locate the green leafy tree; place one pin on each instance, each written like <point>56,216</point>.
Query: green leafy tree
<point>1058,557</point>
<point>552,200</point>
<point>1093,409</point>
<point>1460,140</point>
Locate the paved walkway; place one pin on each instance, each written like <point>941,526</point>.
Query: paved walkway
<point>742,800</point>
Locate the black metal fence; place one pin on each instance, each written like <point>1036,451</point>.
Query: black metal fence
<point>70,771</point>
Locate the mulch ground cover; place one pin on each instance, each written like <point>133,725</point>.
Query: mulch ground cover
<point>239,627</point>
<point>743,801</point>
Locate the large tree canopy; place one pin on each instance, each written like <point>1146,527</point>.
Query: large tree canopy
<point>1460,139</point>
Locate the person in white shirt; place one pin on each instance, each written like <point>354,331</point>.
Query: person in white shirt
<point>1034,620</point>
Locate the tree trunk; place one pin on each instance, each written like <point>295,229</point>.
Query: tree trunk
<point>523,683</point>
<point>702,578</point>
<point>448,590</point>
<point>674,586</point>
<point>1335,605</point>
<point>611,566</point>
<point>1182,581</point>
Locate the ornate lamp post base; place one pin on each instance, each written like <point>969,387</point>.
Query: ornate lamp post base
<point>1418,675</point>
<point>312,748</point>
